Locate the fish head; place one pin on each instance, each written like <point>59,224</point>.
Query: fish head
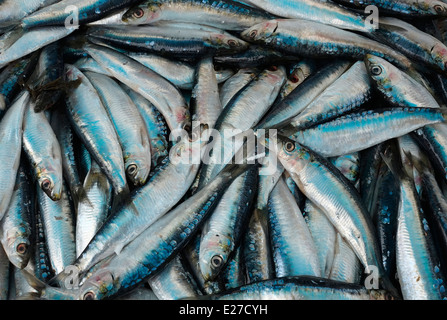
<point>213,256</point>
<point>293,156</point>
<point>99,285</point>
<point>51,184</point>
<point>437,8</point>
<point>138,170</point>
<point>142,14</point>
<point>227,43</point>
<point>191,147</point>
<point>380,70</point>
<point>260,31</point>
<point>439,55</point>
<point>18,246</point>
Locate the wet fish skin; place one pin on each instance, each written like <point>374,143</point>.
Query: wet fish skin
<point>302,96</point>
<point>12,11</point>
<point>417,263</point>
<point>93,209</point>
<point>129,125</point>
<point>31,41</point>
<point>402,8</point>
<point>11,133</point>
<point>240,115</point>
<point>43,150</point>
<point>15,227</point>
<point>298,72</point>
<point>223,231</point>
<point>293,248</point>
<point>309,170</point>
<point>304,37</point>
<point>165,97</point>
<point>413,42</point>
<point>150,251</point>
<point>324,12</point>
<point>301,288</point>
<point>186,43</point>
<point>396,86</point>
<point>13,77</point>
<point>236,83</point>
<point>66,136</point>
<point>173,282</point>
<point>59,227</point>
<point>377,126</point>
<point>87,11</point>
<point>160,194</point>
<point>205,100</point>
<point>92,126</point>
<point>347,93</point>
<point>228,15</point>
<point>48,87</point>
<point>155,124</point>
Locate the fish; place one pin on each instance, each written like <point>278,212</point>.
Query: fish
<point>11,133</point>
<point>222,232</point>
<point>15,227</point>
<point>174,282</point>
<point>92,126</point>
<point>72,13</point>
<point>397,87</point>
<point>93,210</point>
<point>161,193</point>
<point>301,288</point>
<point>165,97</point>
<point>422,278</point>
<point>58,223</point>
<point>186,44</point>
<point>228,15</point>
<point>304,37</point>
<point>293,248</point>
<point>43,150</point>
<point>378,125</point>
<point>129,126</point>
<point>205,100</point>
<point>324,12</point>
<point>149,251</point>
<point>402,8</point>
<point>308,169</point>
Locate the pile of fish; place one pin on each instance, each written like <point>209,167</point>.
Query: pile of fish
<point>218,149</point>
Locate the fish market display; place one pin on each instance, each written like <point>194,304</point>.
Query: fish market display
<point>223,150</point>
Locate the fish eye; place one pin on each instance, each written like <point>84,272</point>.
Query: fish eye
<point>438,8</point>
<point>46,184</point>
<point>216,261</point>
<point>294,78</point>
<point>22,248</point>
<point>273,68</point>
<point>232,43</point>
<point>376,70</point>
<point>253,34</point>
<point>132,169</point>
<point>138,13</point>
<point>89,296</point>
<point>289,146</point>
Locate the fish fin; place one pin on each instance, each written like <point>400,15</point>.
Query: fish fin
<point>393,160</point>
